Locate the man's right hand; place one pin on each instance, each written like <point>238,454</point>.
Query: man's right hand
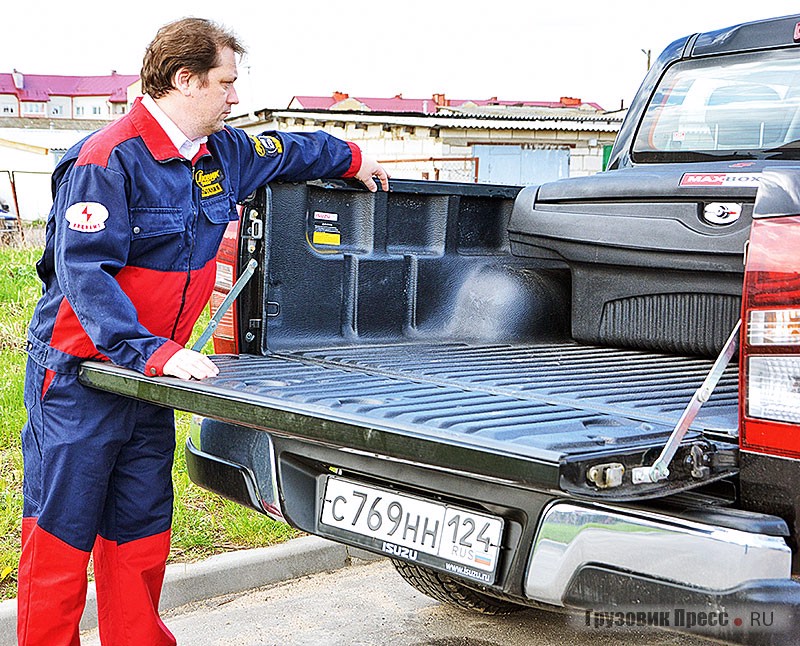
<point>188,364</point>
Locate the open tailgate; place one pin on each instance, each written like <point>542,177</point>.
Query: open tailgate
<point>539,416</point>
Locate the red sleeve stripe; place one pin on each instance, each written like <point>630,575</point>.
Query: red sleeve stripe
<point>355,164</point>
<point>155,364</point>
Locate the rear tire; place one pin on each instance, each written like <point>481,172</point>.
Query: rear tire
<point>441,587</point>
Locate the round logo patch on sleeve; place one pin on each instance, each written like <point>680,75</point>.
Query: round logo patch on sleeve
<point>267,145</point>
<point>87,216</point>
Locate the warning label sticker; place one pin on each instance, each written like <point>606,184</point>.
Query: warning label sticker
<point>326,229</point>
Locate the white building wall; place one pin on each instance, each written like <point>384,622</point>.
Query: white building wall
<point>9,106</point>
<point>392,143</point>
<point>21,160</point>
<point>586,160</point>
<point>60,107</point>
<point>29,156</point>
<point>33,193</point>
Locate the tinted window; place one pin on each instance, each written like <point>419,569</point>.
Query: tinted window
<point>736,105</point>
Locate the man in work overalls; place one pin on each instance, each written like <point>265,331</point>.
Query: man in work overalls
<point>139,210</point>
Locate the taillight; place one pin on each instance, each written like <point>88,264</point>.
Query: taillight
<point>770,357</point>
<point>225,335</point>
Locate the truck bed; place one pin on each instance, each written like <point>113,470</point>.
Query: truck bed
<point>527,411</point>
<point>415,335</point>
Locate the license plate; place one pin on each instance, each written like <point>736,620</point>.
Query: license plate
<point>448,538</point>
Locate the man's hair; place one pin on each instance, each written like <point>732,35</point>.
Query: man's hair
<point>193,43</point>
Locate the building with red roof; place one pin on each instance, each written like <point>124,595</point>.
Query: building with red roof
<point>398,103</point>
<point>475,140</point>
<point>66,97</point>
<point>41,116</point>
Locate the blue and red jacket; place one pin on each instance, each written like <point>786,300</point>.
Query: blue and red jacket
<point>131,240</point>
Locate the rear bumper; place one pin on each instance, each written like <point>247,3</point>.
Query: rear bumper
<point>234,476</point>
<point>726,579</point>
<point>632,568</point>
<point>572,536</point>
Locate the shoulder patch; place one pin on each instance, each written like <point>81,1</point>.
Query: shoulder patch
<point>88,217</point>
<point>267,145</point>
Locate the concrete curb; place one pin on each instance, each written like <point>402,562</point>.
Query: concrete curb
<point>222,574</point>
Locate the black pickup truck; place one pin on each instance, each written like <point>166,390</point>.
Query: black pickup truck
<point>540,396</point>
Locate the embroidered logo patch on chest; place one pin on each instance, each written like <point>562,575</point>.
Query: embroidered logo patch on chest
<point>88,217</point>
<point>210,182</point>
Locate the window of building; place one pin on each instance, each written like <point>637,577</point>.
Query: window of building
<point>80,111</point>
<point>8,108</point>
<point>33,108</point>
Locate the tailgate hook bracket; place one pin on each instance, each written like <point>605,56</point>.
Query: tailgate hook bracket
<point>699,460</point>
<point>606,476</point>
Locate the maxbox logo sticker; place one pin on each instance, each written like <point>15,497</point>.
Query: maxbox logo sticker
<point>88,217</point>
<point>720,179</point>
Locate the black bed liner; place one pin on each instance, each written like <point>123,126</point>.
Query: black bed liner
<point>611,382</point>
<point>522,411</point>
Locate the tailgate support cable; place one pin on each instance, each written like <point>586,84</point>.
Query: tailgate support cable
<point>247,274</point>
<point>659,470</point>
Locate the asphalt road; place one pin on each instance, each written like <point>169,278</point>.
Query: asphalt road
<point>370,605</point>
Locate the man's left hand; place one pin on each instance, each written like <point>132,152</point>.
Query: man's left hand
<point>371,169</point>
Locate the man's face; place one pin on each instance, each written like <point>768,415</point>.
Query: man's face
<point>212,101</point>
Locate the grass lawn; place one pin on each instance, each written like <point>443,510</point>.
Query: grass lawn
<point>203,523</point>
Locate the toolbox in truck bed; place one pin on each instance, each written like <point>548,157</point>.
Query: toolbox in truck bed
<point>651,266</point>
